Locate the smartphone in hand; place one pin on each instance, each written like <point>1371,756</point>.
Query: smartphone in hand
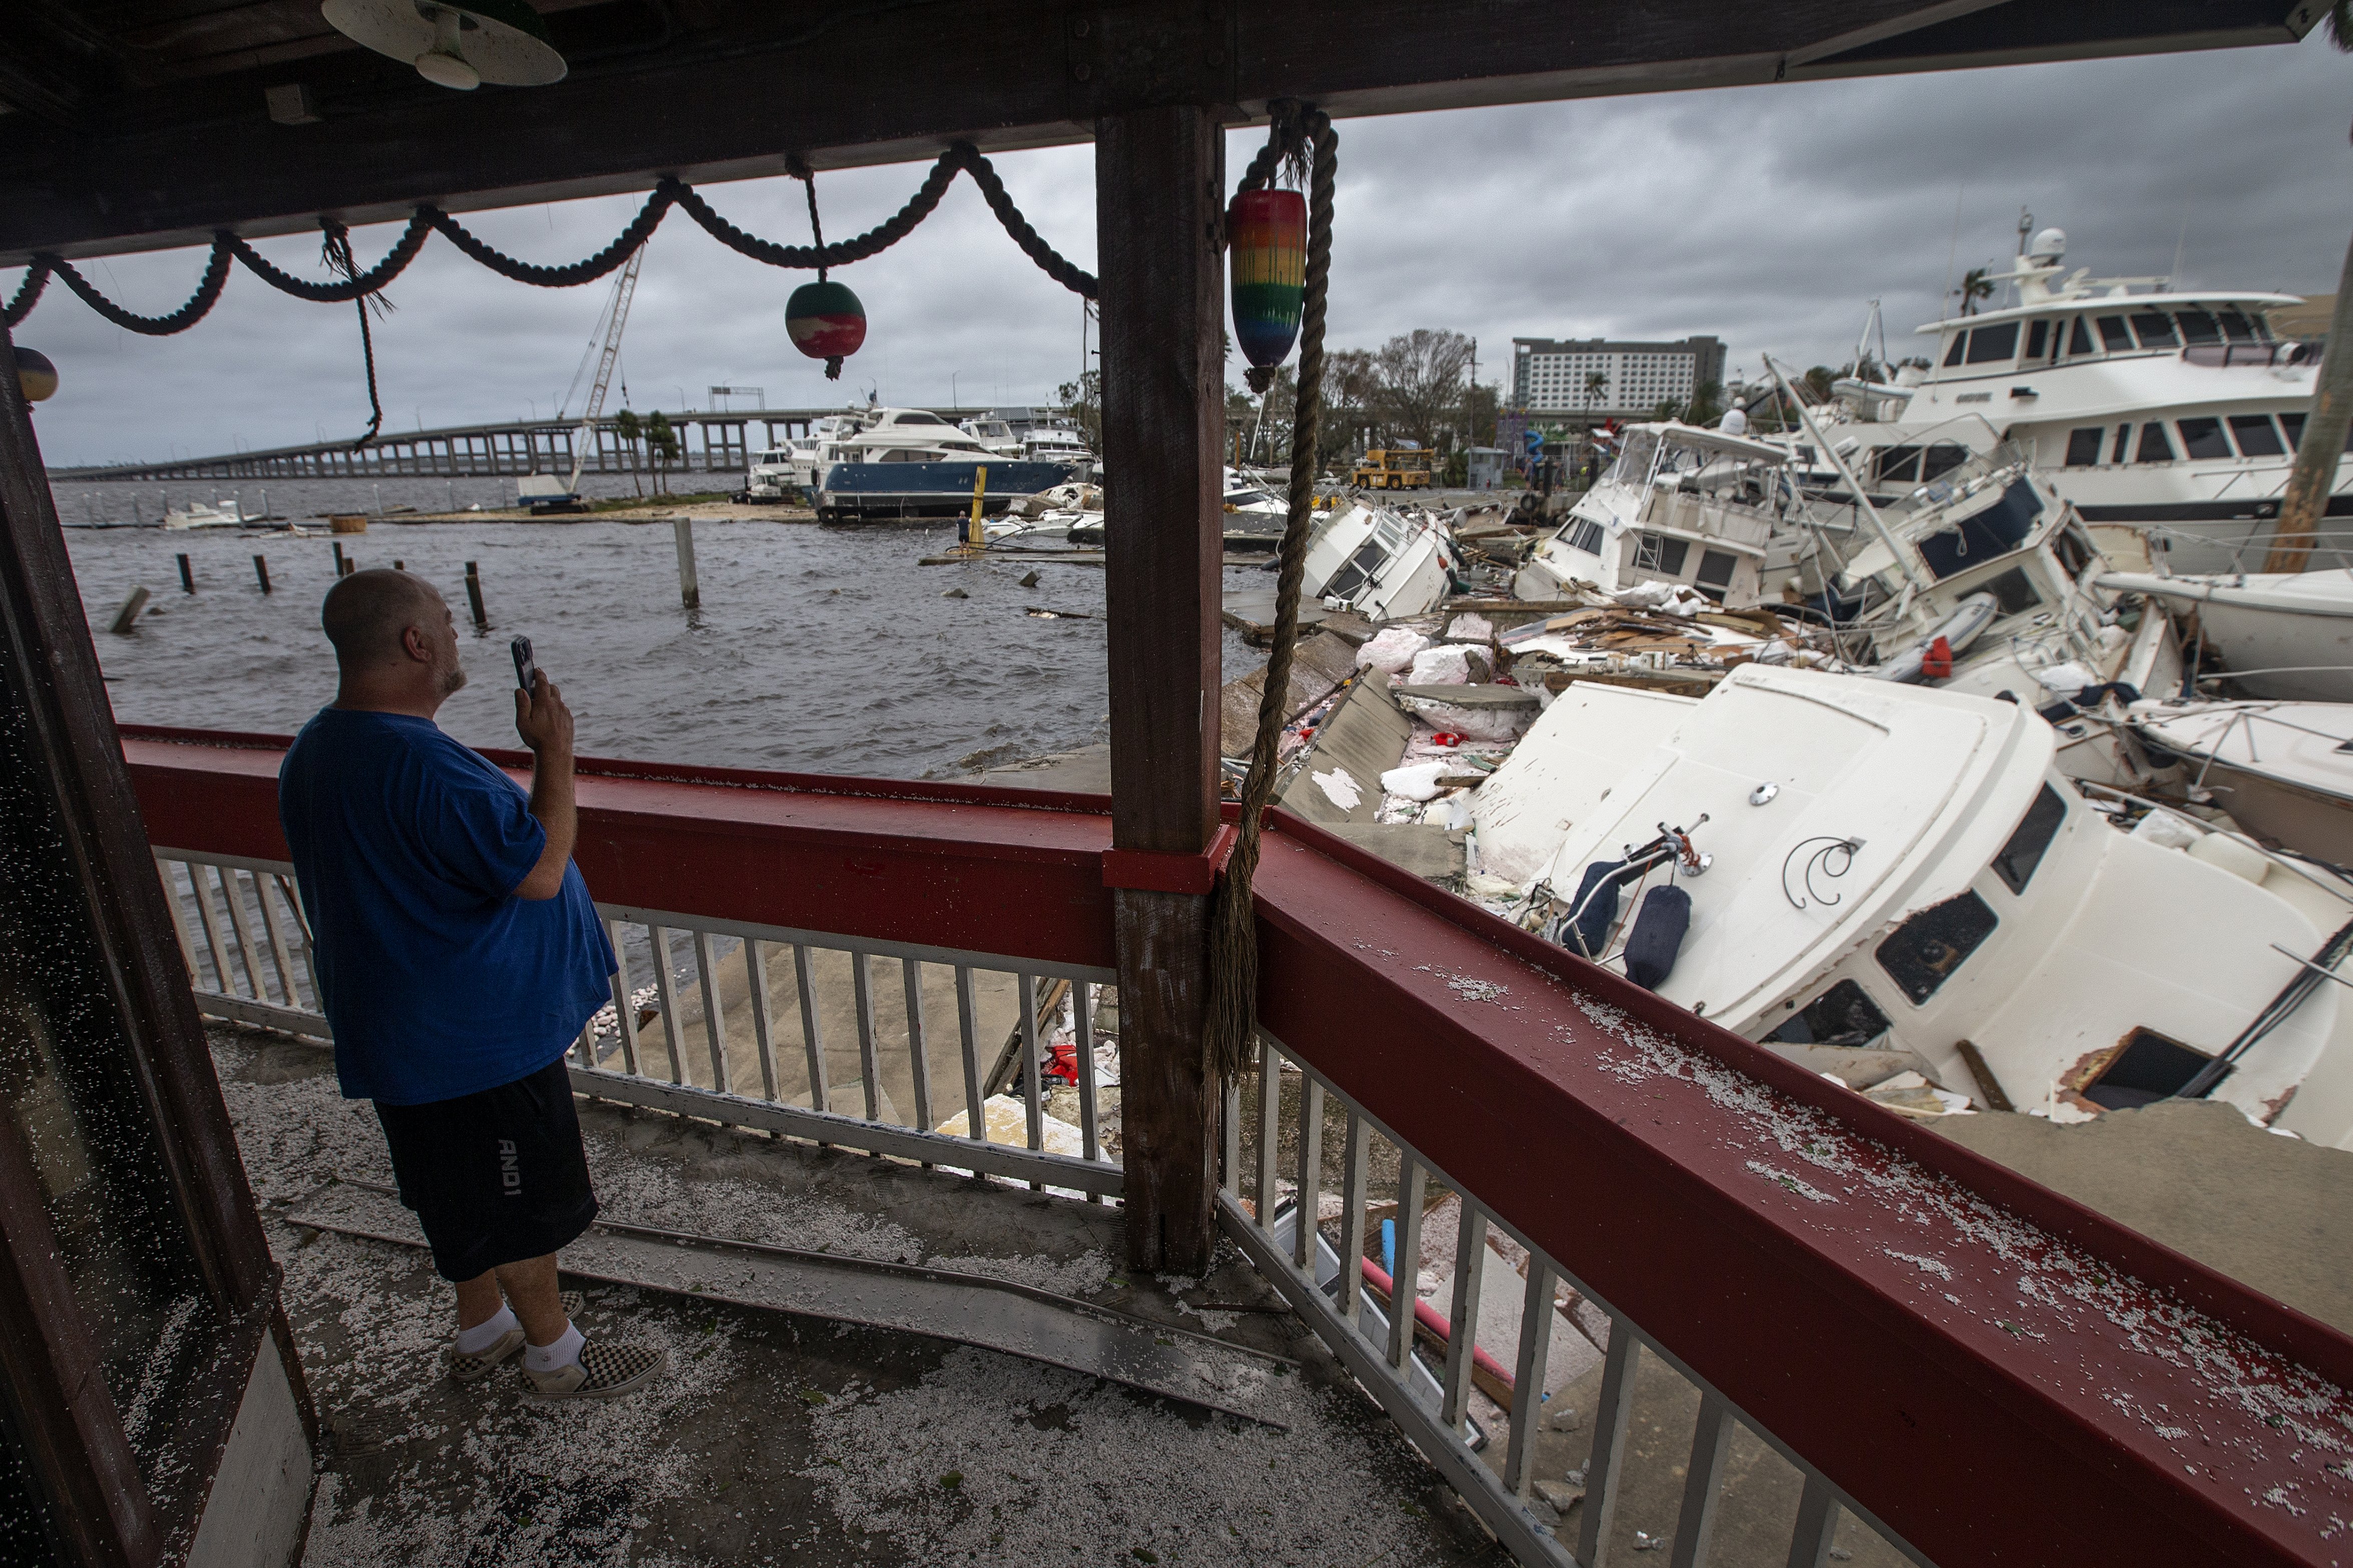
<point>525,670</point>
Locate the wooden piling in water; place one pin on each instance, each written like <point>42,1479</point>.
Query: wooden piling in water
<point>187,575</point>
<point>262,572</point>
<point>474,597</point>
<point>690,591</point>
<point>339,556</point>
<point>129,612</point>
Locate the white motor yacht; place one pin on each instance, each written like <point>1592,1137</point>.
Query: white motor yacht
<point>1874,877</point>
<point>1680,504</point>
<point>2282,770</point>
<point>2281,634</point>
<point>199,514</point>
<point>2176,411</point>
<point>1383,565</point>
<point>994,434</point>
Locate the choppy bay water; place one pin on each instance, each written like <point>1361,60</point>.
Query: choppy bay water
<point>824,650</point>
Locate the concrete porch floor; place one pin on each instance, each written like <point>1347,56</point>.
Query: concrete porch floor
<point>776,1440</point>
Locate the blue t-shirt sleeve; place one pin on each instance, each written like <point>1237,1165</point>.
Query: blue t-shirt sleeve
<point>484,835</point>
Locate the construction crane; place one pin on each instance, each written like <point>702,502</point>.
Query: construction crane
<point>545,492</point>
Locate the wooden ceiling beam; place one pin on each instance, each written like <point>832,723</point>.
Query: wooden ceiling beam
<point>884,83</point>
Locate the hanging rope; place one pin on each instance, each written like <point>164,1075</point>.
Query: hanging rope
<point>800,171</point>
<point>335,250</point>
<point>427,218</point>
<point>1233,924</point>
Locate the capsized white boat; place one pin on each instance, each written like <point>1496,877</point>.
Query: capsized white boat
<point>1383,565</point>
<point>2283,634</point>
<point>197,514</point>
<point>2283,770</point>
<point>1887,871</point>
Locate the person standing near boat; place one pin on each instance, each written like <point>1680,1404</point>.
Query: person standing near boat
<point>459,955</point>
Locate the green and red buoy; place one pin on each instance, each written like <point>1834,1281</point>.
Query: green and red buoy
<point>827,322</point>
<point>34,374</point>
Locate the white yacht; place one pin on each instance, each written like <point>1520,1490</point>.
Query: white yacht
<point>1680,504</point>
<point>1873,879</point>
<point>1058,441</point>
<point>1383,565</point>
<point>2173,411</point>
<point>995,433</point>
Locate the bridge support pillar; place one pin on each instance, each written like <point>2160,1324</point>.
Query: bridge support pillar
<point>1159,201</point>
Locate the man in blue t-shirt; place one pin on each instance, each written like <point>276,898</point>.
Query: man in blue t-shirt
<point>458,955</point>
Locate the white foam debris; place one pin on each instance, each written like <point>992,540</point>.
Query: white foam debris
<point>2055,1291</point>
<point>1937,1266</point>
<point>1091,1480</point>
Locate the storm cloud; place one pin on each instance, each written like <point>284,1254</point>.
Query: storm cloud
<point>1769,217</point>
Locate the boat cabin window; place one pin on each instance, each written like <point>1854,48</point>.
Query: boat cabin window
<point>1991,345</point>
<point>2154,447</point>
<point>903,455</point>
<point>1915,465</point>
<point>2084,447</point>
<point>1657,552</point>
<point>1924,951</point>
<point>2079,337</point>
<point>2154,330</point>
<point>1716,568</point>
<point>2123,438</point>
<point>1979,538</point>
<point>2292,427</point>
<point>2013,592</point>
<point>2203,437</point>
<point>2115,335</point>
<point>2198,327</point>
<point>1583,534</point>
<point>1843,1015</point>
<point>2038,339</point>
<point>917,419</point>
<point>1953,353</point>
<point>2257,436</point>
<point>2149,1068</point>
<point>2241,328</point>
<point>2018,857</point>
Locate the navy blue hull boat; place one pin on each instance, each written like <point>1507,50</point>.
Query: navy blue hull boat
<point>886,491</point>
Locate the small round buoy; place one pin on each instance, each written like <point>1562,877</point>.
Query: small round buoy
<point>827,322</point>
<point>1266,251</point>
<point>35,374</point>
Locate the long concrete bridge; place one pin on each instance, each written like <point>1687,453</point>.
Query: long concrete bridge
<point>710,442</point>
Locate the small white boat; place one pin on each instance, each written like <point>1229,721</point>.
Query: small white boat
<point>2283,770</point>
<point>1863,876</point>
<point>2284,634</point>
<point>197,514</point>
<point>1681,504</point>
<point>1383,565</point>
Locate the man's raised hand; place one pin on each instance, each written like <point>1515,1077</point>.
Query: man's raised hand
<point>542,719</point>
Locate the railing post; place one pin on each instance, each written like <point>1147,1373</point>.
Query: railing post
<point>1159,201</point>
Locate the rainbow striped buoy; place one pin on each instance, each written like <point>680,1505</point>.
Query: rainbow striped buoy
<point>1266,233</point>
<point>35,374</point>
<point>827,322</point>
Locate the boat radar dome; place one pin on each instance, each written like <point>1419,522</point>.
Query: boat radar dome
<point>2049,246</point>
<point>458,46</point>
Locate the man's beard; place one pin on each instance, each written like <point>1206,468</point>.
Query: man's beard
<point>453,678</point>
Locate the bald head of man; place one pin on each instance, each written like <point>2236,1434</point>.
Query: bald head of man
<point>394,637</point>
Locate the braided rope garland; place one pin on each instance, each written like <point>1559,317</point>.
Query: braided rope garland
<point>1233,918</point>
<point>668,192</point>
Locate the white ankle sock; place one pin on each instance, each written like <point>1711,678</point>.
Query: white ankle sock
<point>488,1333</point>
<point>563,1353</point>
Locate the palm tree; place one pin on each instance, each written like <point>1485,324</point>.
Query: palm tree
<point>2319,451</point>
<point>629,431</point>
<point>1975,286</point>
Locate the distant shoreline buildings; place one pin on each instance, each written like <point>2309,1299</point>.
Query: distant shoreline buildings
<point>1552,377</point>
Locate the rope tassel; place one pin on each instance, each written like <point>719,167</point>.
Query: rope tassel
<point>336,251</point>
<point>1233,924</point>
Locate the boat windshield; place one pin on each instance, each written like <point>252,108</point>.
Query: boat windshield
<point>1633,464</point>
<point>1957,481</point>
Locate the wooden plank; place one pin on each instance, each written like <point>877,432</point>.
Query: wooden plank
<point>1159,183</point>
<point>166,163</point>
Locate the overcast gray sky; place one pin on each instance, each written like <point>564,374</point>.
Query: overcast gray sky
<point>1766,215</point>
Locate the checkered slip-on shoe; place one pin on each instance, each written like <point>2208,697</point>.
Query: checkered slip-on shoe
<point>474,1368</point>
<point>602,1372</point>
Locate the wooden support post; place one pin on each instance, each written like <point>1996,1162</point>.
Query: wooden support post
<point>125,617</point>
<point>690,591</point>
<point>262,572</point>
<point>339,567</point>
<point>187,575</point>
<point>474,598</point>
<point>1159,205</point>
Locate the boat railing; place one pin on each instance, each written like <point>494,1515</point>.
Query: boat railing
<point>1886,1310</point>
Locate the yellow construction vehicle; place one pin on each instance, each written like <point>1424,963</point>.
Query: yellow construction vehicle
<point>1393,468</point>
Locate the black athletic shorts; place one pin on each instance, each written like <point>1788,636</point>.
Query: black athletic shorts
<point>496,1176</point>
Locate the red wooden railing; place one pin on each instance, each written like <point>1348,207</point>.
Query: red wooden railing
<point>2000,1374</point>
